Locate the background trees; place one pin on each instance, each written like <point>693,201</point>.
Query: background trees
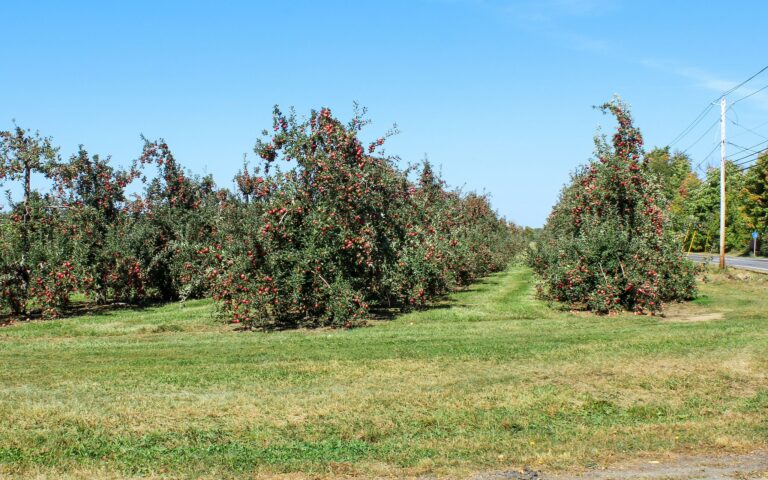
<point>702,212</point>
<point>755,200</point>
<point>694,202</point>
<point>669,169</point>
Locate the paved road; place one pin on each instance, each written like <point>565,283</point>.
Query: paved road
<point>756,264</point>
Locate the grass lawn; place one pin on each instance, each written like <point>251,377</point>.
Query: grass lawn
<point>491,380</point>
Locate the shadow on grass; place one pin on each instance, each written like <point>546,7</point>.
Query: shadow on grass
<point>376,313</point>
<point>481,284</point>
<point>79,309</point>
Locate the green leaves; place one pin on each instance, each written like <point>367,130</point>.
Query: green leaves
<point>608,244</point>
<point>325,229</point>
<point>342,230</point>
<point>755,198</point>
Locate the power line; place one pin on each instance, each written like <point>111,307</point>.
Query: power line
<point>762,125</point>
<point>738,161</point>
<point>709,107</point>
<point>752,131</point>
<point>747,167</point>
<point>749,129</point>
<point>742,84</point>
<point>692,125</point>
<point>747,96</point>
<point>706,158</point>
<point>702,136</point>
<point>752,148</point>
<point>743,149</point>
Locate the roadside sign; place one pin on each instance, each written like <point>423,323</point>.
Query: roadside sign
<point>755,235</point>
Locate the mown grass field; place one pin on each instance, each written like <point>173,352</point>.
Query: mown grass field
<point>491,380</point>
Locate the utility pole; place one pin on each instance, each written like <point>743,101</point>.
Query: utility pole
<point>722,183</point>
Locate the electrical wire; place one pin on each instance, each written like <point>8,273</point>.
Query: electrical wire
<point>761,125</point>
<point>692,125</point>
<point>743,149</point>
<point>698,165</point>
<point>702,136</point>
<point>752,148</point>
<point>747,96</point>
<point>709,107</point>
<point>749,158</point>
<point>744,162</point>
<point>742,84</point>
<point>749,129</point>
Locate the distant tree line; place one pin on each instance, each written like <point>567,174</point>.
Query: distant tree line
<point>321,232</point>
<point>694,201</point>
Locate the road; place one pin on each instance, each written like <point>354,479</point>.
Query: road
<point>754,264</point>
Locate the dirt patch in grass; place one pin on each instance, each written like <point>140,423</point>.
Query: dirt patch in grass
<point>700,467</point>
<point>706,467</point>
<point>688,313</point>
<point>694,317</point>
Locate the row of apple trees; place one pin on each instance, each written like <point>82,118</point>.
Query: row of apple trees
<point>322,231</point>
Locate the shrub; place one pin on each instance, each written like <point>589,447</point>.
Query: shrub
<point>341,231</point>
<point>607,244</point>
<point>316,239</point>
<point>173,221</point>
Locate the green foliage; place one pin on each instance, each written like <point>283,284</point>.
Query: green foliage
<point>28,266</point>
<point>674,175</point>
<point>755,199</point>
<point>342,231</point>
<point>702,211</point>
<point>608,244</point>
<point>669,169</point>
<point>339,231</point>
<point>694,203</point>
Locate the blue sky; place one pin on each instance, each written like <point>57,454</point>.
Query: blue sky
<point>498,93</point>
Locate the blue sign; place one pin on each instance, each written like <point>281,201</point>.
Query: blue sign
<point>754,235</point>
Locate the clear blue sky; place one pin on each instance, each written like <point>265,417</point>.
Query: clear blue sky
<point>498,93</point>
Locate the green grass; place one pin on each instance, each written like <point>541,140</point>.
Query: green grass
<point>492,379</point>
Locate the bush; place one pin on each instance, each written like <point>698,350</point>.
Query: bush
<point>175,219</point>
<point>607,244</point>
<point>318,237</point>
<point>342,231</point>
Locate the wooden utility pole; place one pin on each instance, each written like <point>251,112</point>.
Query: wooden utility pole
<point>722,183</point>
